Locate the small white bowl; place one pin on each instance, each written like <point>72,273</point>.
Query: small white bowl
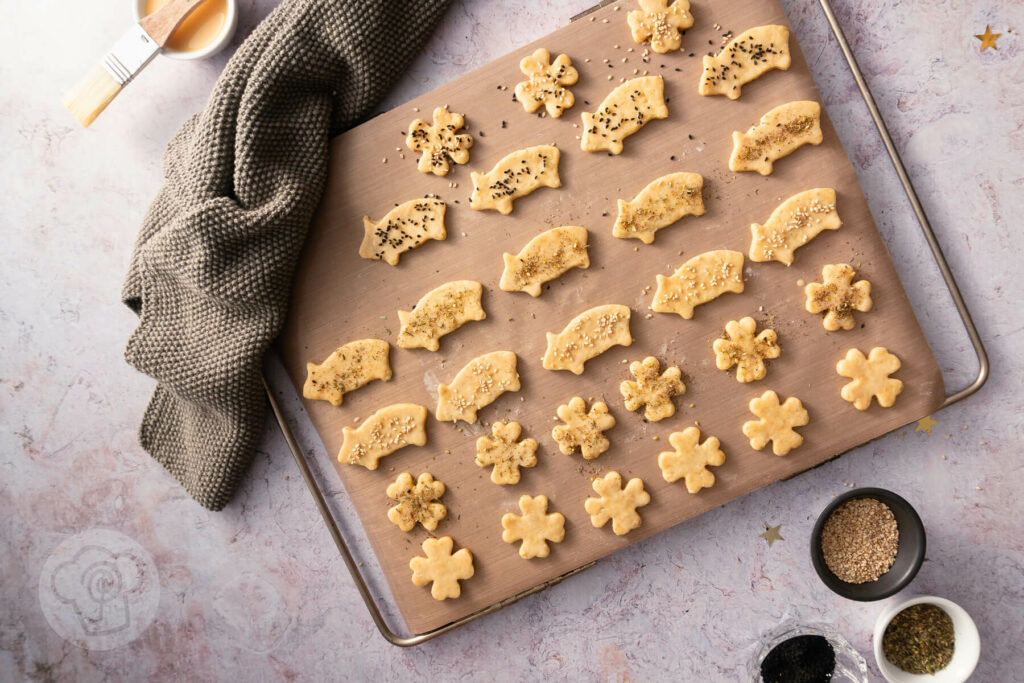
<point>227,32</point>
<point>966,647</point>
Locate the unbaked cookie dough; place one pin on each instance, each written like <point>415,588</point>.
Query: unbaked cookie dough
<point>661,23</point>
<point>794,223</point>
<point>690,459</point>
<point>870,377</point>
<point>416,503</point>
<point>624,111</point>
<point>477,385</point>
<point>546,83</point>
<point>653,390</point>
<point>535,527</point>
<point>544,258</point>
<point>440,143</point>
<point>405,227</point>
<point>616,503</point>
<point>704,277</point>
<point>440,311</point>
<point>350,366</point>
<point>442,568</point>
<point>583,429</point>
<point>515,176</point>
<point>745,58</point>
<point>588,335</point>
<point>663,202</point>
<point>505,453</point>
<point>838,296</point>
<point>779,133</point>
<point>776,424</point>
<point>383,433</point>
<point>747,351</point>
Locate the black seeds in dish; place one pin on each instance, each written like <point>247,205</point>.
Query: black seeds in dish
<point>801,659</point>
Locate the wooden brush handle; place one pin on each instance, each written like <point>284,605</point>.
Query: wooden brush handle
<point>161,23</point>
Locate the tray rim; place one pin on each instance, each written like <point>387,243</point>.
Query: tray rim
<point>984,370</point>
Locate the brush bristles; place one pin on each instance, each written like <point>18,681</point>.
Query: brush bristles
<point>91,95</point>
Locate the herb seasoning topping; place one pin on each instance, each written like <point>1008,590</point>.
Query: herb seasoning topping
<point>920,639</point>
<point>781,134</point>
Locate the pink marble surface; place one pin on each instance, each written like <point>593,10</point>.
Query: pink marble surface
<point>111,572</point>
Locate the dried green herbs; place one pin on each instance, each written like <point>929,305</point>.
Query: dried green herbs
<point>920,639</point>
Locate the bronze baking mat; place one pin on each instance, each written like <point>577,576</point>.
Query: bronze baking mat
<point>339,297</point>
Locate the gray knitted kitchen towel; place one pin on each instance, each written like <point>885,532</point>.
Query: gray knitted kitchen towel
<point>213,263</point>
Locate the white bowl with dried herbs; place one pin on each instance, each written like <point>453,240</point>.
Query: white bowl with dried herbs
<point>926,639</point>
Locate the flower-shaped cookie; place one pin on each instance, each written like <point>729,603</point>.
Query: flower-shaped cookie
<point>690,459</point>
<point>439,142</point>
<point>616,503</point>
<point>744,350</point>
<point>776,423</point>
<point>535,528</point>
<point>839,295</point>
<point>651,389</point>
<point>546,84</point>
<point>416,502</point>
<point>870,377</point>
<point>442,568</point>
<point>582,429</point>
<point>660,21</point>
<point>505,452</point>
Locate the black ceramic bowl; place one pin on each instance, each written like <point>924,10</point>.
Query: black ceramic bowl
<point>909,552</point>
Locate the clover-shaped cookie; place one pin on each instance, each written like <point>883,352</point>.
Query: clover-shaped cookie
<point>505,452</point>
<point>870,377</point>
<point>546,84</point>
<point>416,502</point>
<point>776,423</point>
<point>744,350</point>
<point>442,568</point>
<point>439,142</point>
<point>660,22</point>
<point>535,528</point>
<point>690,459</point>
<point>839,295</point>
<point>616,503</point>
<point>651,389</point>
<point>582,429</point>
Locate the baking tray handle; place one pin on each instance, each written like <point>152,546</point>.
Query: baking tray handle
<point>922,218</point>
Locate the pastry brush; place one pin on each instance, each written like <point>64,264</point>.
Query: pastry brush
<point>126,58</point>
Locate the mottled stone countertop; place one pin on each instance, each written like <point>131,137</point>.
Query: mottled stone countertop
<point>110,571</point>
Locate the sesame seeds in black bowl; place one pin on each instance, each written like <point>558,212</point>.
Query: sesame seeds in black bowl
<point>867,544</point>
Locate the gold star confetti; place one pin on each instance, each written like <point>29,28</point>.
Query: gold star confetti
<point>771,534</point>
<point>988,39</point>
<point>925,424</point>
